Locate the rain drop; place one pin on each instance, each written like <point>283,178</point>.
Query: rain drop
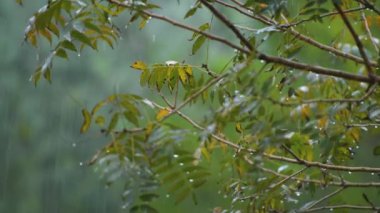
<point>349,172</point>
<point>372,173</point>
<point>181,164</point>
<point>329,27</point>
<point>331,209</point>
<point>74,145</point>
<point>175,156</point>
<point>78,54</point>
<point>298,194</point>
<point>191,180</point>
<point>167,195</point>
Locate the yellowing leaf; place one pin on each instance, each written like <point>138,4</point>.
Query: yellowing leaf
<point>205,153</point>
<point>100,120</point>
<point>139,65</point>
<point>189,70</point>
<point>238,128</point>
<point>86,121</point>
<point>306,112</point>
<point>162,114</point>
<point>323,122</point>
<point>182,75</point>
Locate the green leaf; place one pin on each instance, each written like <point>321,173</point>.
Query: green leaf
<point>143,208</point>
<point>198,44</point>
<point>191,12</point>
<point>376,150</point>
<point>68,45</point>
<point>82,38</point>
<point>47,74</point>
<point>89,25</point>
<point>180,196</point>
<point>36,76</point>
<point>86,122</point>
<point>113,123</point>
<point>61,53</point>
<point>149,197</point>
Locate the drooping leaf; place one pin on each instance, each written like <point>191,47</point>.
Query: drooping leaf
<point>198,44</point>
<point>82,38</point>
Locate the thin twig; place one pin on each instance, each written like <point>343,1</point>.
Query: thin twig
<point>349,207</point>
<point>356,38</point>
<point>262,56</point>
<point>323,16</point>
<point>369,6</point>
<point>222,18</point>
<point>292,153</point>
<point>281,182</point>
<point>324,198</point>
<point>297,34</point>
<point>368,30</point>
<point>371,90</point>
<point>323,183</point>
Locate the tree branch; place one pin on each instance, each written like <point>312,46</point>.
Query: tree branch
<point>356,38</point>
<point>349,207</point>
<point>368,30</point>
<point>323,183</point>
<point>262,56</point>
<point>298,35</point>
<point>324,198</point>
<point>222,18</point>
<point>371,90</point>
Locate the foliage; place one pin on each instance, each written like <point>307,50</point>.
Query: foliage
<point>285,125</point>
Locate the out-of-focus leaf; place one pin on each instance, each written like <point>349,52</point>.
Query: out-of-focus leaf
<point>86,122</point>
<point>113,122</point>
<point>376,150</point>
<point>100,120</point>
<point>139,65</point>
<point>61,53</point>
<point>198,44</point>
<point>68,45</point>
<point>82,38</point>
<point>162,114</point>
<point>238,128</point>
<point>191,12</point>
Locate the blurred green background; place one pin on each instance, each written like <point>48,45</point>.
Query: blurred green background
<point>41,151</point>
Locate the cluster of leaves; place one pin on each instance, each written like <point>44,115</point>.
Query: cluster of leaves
<point>275,118</point>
